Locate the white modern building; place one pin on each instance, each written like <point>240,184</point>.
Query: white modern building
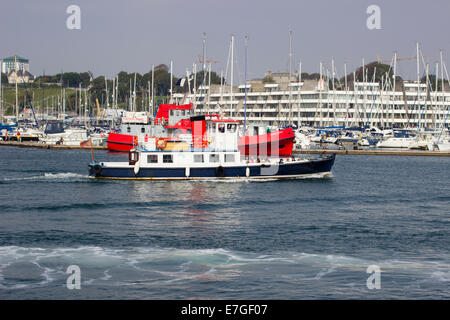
<point>9,64</point>
<point>311,103</point>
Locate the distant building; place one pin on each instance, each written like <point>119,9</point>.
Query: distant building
<point>280,77</point>
<point>20,76</point>
<point>9,64</point>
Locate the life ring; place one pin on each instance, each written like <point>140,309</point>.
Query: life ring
<point>220,172</point>
<point>161,143</point>
<point>98,169</point>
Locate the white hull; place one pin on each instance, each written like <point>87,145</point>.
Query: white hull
<point>444,146</point>
<point>396,143</point>
<point>71,137</point>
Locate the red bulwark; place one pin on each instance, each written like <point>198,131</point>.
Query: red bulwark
<point>278,143</point>
<point>120,142</point>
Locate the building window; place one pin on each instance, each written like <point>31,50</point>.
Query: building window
<point>213,158</point>
<point>229,157</point>
<point>167,158</point>
<point>198,158</point>
<point>152,158</point>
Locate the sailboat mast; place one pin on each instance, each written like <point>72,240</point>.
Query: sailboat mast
<point>393,89</point>
<point>231,82</point>
<point>204,63</point>
<point>299,93</point>
<point>418,79</point>
<point>153,91</point>
<point>442,81</point>
<point>290,55</point>
<point>171,81</point>
<point>134,94</point>
<point>79,100</point>
<point>1,91</point>
<point>17,96</point>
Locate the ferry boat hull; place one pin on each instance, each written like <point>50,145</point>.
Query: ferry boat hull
<point>284,170</point>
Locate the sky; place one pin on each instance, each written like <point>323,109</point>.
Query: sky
<point>131,35</point>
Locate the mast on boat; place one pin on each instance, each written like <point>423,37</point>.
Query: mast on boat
<point>231,82</point>
<point>17,96</point>
<point>245,86</point>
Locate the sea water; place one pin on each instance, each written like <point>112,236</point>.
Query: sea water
<point>292,239</point>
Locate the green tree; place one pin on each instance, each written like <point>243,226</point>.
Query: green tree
<point>98,89</point>
<point>268,79</point>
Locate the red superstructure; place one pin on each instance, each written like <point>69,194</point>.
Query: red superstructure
<point>122,142</point>
<point>277,143</point>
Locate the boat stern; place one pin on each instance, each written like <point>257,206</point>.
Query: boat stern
<point>95,169</point>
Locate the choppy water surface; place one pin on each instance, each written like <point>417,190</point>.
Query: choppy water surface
<point>296,239</point>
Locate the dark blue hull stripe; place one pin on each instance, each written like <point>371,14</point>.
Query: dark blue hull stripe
<point>284,170</point>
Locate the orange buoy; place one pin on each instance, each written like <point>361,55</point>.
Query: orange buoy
<point>161,143</point>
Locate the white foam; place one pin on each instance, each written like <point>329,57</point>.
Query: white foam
<point>50,176</point>
<point>196,264</point>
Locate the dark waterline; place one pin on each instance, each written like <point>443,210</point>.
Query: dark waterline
<point>296,239</point>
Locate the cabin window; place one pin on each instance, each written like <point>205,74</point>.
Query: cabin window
<point>198,158</point>
<point>143,130</point>
<point>231,127</point>
<point>167,158</point>
<point>152,158</point>
<point>229,157</point>
<point>213,157</point>
<point>128,129</point>
<point>222,128</point>
<point>171,112</point>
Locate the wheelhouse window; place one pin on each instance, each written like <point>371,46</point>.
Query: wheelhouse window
<point>143,129</point>
<point>198,158</point>
<point>229,157</point>
<point>231,127</point>
<point>152,158</point>
<point>167,158</point>
<point>212,127</point>
<point>128,129</point>
<point>213,158</point>
<point>221,127</point>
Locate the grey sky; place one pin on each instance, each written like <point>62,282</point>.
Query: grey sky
<point>132,35</point>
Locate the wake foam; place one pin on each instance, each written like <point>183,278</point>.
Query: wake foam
<point>49,177</point>
<point>137,265</point>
